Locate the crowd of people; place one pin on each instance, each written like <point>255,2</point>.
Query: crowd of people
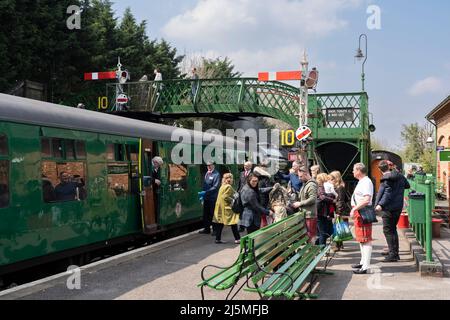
<point>321,197</point>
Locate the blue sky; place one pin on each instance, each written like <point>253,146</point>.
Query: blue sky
<point>408,65</point>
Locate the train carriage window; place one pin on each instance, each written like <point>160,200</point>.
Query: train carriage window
<point>57,148</point>
<point>132,153</point>
<point>115,152</point>
<point>46,148</point>
<point>4,183</point>
<point>3,145</point>
<point>119,152</point>
<point>80,149</point>
<point>118,179</point>
<point>177,177</point>
<point>70,149</point>
<point>63,181</point>
<point>110,152</point>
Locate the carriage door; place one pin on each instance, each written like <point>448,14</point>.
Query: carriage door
<point>147,197</point>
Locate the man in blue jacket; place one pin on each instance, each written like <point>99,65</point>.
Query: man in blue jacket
<point>211,185</point>
<point>292,177</point>
<point>389,200</point>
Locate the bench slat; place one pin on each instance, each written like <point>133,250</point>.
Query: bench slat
<point>275,262</point>
<point>226,278</point>
<point>270,231</point>
<point>275,277</point>
<point>295,271</point>
<point>291,293</point>
<point>264,258</point>
<point>279,240</point>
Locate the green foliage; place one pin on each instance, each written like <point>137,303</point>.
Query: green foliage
<point>415,139</point>
<point>35,44</point>
<point>416,148</point>
<point>217,69</point>
<point>212,69</point>
<point>428,160</point>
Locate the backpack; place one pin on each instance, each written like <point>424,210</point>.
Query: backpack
<point>236,204</point>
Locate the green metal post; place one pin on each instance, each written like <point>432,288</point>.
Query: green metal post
<point>428,234</point>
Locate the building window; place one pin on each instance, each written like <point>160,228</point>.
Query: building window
<point>177,177</point>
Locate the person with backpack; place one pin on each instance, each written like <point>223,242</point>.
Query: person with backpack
<point>223,211</point>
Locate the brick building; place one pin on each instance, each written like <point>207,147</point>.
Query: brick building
<point>440,116</point>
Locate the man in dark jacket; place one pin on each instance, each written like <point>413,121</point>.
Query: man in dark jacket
<point>389,200</point>
<point>211,185</point>
<point>244,174</point>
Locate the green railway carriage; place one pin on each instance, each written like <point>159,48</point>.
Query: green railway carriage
<point>108,199</point>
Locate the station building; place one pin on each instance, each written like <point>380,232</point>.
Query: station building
<point>440,116</point>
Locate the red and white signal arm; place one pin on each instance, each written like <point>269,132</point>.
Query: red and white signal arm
<point>303,133</point>
<point>122,99</point>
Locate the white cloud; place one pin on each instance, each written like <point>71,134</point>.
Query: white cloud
<point>248,24</point>
<point>426,86</point>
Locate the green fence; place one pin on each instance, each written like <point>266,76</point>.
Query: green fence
<point>420,202</point>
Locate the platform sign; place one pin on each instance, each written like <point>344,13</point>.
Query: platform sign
<point>440,148</point>
<point>122,98</point>
<point>340,115</point>
<point>444,156</point>
<point>303,133</point>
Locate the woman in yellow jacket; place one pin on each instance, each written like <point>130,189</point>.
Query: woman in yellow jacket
<point>223,215</point>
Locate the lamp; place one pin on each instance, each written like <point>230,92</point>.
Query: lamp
<point>359,55</point>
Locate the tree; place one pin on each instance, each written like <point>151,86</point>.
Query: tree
<point>35,44</point>
<point>211,69</point>
<point>415,138</point>
<point>217,69</point>
<point>416,148</point>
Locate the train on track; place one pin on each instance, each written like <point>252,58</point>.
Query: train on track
<point>109,159</point>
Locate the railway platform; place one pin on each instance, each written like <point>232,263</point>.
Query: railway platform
<point>170,270</point>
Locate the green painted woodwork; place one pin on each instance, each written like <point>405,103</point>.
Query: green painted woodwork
<point>32,228</point>
<point>248,95</point>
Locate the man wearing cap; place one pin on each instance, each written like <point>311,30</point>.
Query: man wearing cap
<point>211,184</point>
<point>389,201</point>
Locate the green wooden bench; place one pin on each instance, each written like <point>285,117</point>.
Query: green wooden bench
<point>275,261</point>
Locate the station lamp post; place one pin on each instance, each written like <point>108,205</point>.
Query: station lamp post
<point>359,55</point>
